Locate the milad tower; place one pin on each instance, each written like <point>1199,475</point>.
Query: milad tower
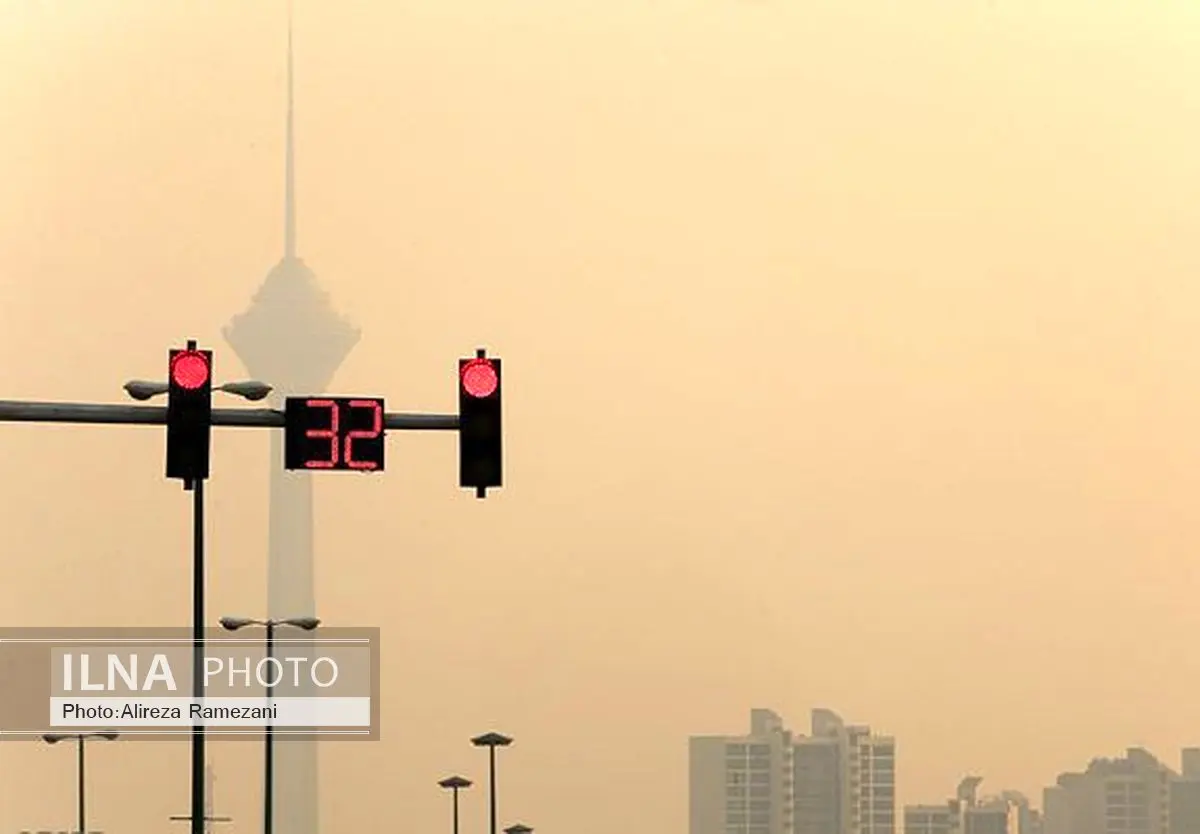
<point>291,338</point>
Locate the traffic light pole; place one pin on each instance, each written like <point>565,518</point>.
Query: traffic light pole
<point>199,769</point>
<point>189,418</point>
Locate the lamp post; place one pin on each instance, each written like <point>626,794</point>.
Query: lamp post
<point>455,784</point>
<point>491,741</point>
<point>233,624</point>
<point>80,739</point>
<point>141,390</point>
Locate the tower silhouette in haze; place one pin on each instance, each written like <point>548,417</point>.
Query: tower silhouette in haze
<point>291,338</point>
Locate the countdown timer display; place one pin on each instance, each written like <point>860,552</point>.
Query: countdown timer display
<point>334,433</point>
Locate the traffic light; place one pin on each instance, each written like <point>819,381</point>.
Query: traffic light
<point>189,413</point>
<point>479,460</point>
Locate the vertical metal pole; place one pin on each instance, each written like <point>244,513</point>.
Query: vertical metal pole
<point>269,741</point>
<point>492,787</point>
<point>198,758</point>
<point>456,811</point>
<point>82,782</point>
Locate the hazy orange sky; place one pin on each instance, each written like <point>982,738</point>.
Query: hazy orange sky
<point>852,355</point>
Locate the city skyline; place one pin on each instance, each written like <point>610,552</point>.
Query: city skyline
<point>850,355</point>
<point>841,778</point>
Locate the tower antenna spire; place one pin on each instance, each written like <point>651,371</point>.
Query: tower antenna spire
<point>289,186</point>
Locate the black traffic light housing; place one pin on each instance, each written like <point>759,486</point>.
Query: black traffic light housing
<point>480,463</point>
<point>189,413</point>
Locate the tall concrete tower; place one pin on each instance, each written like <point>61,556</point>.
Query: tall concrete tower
<point>291,338</point>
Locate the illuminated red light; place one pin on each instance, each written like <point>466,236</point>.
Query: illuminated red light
<point>189,369</point>
<point>479,378</point>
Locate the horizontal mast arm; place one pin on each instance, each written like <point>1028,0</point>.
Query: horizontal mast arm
<point>19,411</point>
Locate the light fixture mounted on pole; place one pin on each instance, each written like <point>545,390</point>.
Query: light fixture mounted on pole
<point>454,784</point>
<point>491,741</point>
<point>80,739</point>
<point>233,624</point>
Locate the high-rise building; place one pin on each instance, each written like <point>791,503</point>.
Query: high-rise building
<point>1185,795</point>
<point>871,780</point>
<point>838,780</point>
<point>817,785</point>
<point>1130,795</point>
<point>742,784</point>
<point>845,779</point>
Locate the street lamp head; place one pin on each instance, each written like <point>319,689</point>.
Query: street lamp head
<point>518,829</point>
<point>106,736</point>
<point>234,623</point>
<point>455,783</point>
<point>306,623</point>
<point>141,389</point>
<point>250,389</point>
<point>491,740</point>
<point>54,738</point>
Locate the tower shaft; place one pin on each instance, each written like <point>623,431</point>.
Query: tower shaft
<point>292,339</point>
<point>289,177</point>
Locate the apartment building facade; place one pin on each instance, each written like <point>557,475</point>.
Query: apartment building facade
<point>840,779</point>
<point>1128,795</point>
<point>742,784</point>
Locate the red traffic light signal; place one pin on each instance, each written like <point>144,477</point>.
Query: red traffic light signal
<point>479,378</point>
<point>189,413</point>
<point>480,441</point>
<point>190,369</point>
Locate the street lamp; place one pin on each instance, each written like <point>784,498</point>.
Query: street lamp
<point>140,389</point>
<point>80,738</point>
<point>253,390</point>
<point>518,829</point>
<point>491,741</point>
<point>233,624</point>
<point>455,784</point>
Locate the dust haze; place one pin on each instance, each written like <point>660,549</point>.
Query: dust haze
<point>850,355</point>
